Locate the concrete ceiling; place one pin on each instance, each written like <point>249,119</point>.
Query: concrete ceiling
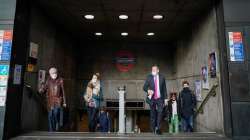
<point>179,15</point>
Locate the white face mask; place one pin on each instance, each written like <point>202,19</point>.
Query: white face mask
<point>94,80</point>
<point>154,73</point>
<point>53,76</point>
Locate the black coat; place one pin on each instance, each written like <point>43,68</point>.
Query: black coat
<point>187,102</point>
<point>149,85</point>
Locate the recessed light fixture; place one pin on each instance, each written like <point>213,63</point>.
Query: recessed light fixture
<point>90,17</point>
<point>98,34</point>
<point>150,34</point>
<point>124,34</point>
<point>123,17</point>
<point>158,17</point>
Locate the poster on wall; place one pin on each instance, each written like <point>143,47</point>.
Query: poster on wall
<point>17,75</point>
<point>204,77</point>
<point>33,50</point>
<point>198,95</point>
<point>1,41</point>
<point>30,67</point>
<point>2,100</point>
<point>41,78</point>
<point>5,44</point>
<point>4,72</point>
<point>3,90</point>
<point>212,64</point>
<point>236,48</point>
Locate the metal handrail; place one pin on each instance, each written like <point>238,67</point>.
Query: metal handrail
<point>212,92</point>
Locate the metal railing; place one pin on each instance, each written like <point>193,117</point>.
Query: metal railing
<point>212,92</point>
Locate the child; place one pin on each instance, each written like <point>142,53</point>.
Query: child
<point>104,121</point>
<point>173,109</point>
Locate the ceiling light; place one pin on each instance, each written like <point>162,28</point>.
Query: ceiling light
<point>89,17</point>
<point>157,17</point>
<point>98,34</point>
<point>150,34</point>
<point>124,34</point>
<point>123,17</point>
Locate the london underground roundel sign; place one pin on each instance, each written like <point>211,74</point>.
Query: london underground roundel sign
<point>124,60</point>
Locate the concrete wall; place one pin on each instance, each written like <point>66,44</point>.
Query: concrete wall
<point>191,54</point>
<point>55,49</point>
<point>99,57</point>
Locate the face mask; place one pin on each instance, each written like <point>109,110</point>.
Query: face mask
<point>154,73</point>
<point>186,86</point>
<point>53,76</point>
<point>94,80</point>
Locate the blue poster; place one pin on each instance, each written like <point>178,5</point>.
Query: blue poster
<point>4,70</point>
<point>238,52</point>
<point>6,50</point>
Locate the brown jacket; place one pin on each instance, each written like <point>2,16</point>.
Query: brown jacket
<point>54,90</point>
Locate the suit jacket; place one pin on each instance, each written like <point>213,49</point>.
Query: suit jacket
<point>149,85</point>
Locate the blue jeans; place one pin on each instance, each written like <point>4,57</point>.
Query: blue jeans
<point>54,118</point>
<point>187,124</point>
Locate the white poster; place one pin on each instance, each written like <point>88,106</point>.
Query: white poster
<point>198,90</point>
<point>41,77</point>
<point>33,50</point>
<point>17,75</point>
<point>1,41</point>
<point>204,77</point>
<point>2,100</point>
<point>3,91</point>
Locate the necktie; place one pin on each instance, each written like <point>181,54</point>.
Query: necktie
<point>156,88</point>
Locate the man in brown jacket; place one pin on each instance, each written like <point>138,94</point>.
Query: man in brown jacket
<point>54,90</point>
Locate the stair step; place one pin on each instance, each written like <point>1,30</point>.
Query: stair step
<point>113,136</point>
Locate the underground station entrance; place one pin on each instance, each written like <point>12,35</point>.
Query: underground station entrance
<point>121,41</point>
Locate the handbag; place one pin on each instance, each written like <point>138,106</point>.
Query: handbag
<point>91,103</point>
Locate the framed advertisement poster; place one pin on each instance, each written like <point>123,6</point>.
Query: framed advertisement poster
<point>204,77</point>
<point>212,64</point>
<point>236,47</point>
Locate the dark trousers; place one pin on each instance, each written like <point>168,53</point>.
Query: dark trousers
<point>156,109</point>
<point>92,118</point>
<point>187,124</point>
<point>54,118</point>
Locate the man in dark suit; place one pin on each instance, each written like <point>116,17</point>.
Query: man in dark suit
<point>155,87</point>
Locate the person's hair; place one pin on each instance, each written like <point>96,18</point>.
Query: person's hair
<point>185,82</point>
<point>173,94</point>
<point>97,75</point>
<point>103,108</point>
<point>155,65</point>
<point>52,69</point>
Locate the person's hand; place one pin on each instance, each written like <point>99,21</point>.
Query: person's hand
<point>150,92</point>
<point>98,125</point>
<point>88,100</point>
<point>65,105</point>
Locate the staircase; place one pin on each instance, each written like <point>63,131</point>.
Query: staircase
<point>114,136</point>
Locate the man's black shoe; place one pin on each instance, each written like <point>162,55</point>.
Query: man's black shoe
<point>158,132</point>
